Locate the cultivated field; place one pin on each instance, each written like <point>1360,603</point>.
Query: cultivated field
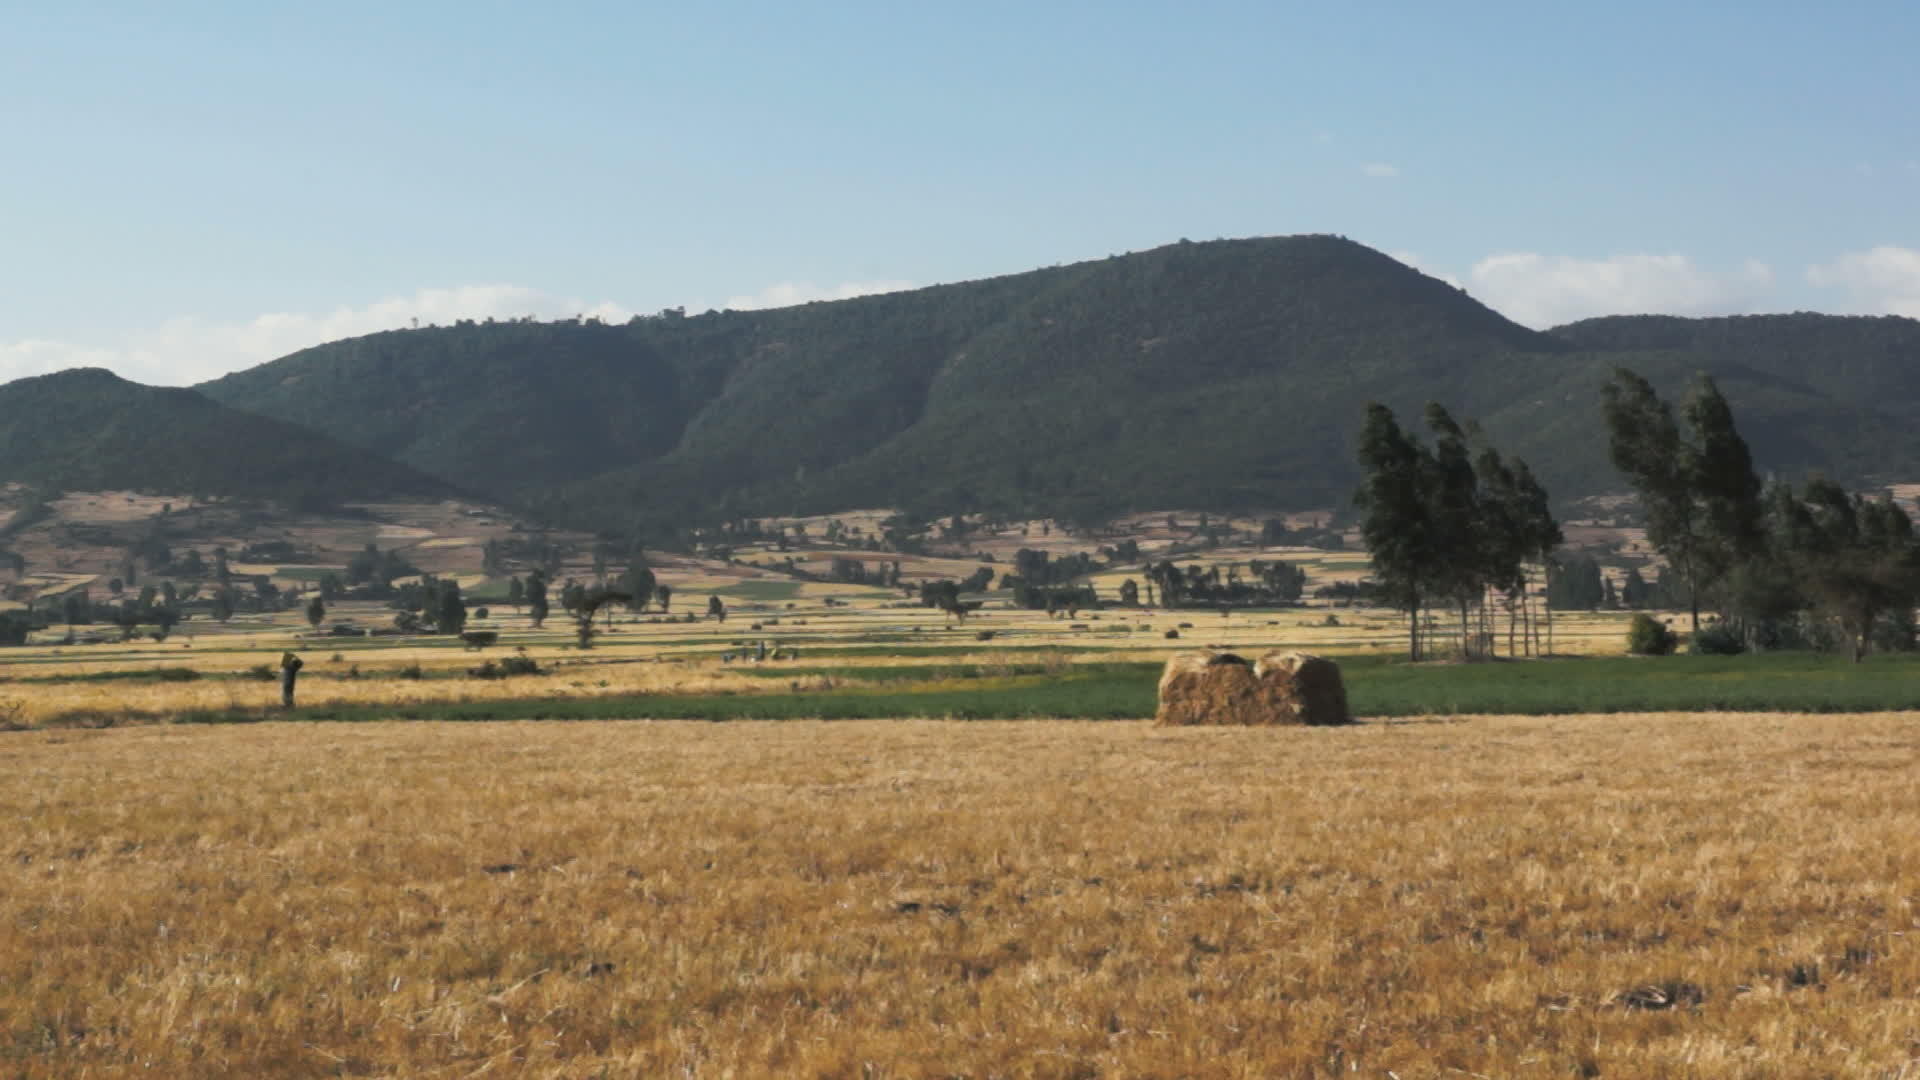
<point>819,886</point>
<point>1646,895</point>
<point>115,682</point>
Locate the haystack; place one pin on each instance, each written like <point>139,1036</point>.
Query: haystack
<point>1221,688</point>
<point>1302,688</point>
<point>1210,688</point>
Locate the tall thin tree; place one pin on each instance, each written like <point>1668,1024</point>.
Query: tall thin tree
<point>1396,521</point>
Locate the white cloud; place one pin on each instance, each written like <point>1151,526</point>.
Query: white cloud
<point>789,293</point>
<point>1379,170</point>
<point>1548,290</point>
<point>1882,281</point>
<point>189,350</point>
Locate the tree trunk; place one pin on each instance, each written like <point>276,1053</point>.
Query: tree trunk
<point>1513,625</point>
<point>1413,631</point>
<point>1532,628</point>
<point>1549,627</point>
<point>1693,587</point>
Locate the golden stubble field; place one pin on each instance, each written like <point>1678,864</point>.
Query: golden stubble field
<point>1641,895</point>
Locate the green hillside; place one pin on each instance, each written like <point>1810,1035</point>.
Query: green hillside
<point>1810,391</point>
<point>1224,374</point>
<point>90,430</point>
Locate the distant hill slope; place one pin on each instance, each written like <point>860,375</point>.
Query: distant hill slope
<point>1226,374</point>
<point>1809,391</point>
<point>90,430</point>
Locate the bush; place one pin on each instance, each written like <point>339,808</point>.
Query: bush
<point>520,665</point>
<point>261,672</point>
<point>1895,632</point>
<point>411,671</point>
<point>1718,640</point>
<point>1648,636</point>
<point>1797,633</point>
<point>507,668</point>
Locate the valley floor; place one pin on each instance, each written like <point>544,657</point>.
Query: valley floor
<point>1704,895</point>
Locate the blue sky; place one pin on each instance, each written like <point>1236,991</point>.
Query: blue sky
<point>187,189</point>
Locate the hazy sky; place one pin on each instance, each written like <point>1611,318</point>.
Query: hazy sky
<point>190,188</point>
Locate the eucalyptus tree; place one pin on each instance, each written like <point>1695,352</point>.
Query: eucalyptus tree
<point>1397,520</point>
<point>1698,488</point>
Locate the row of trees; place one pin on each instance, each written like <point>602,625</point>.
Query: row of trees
<point>1770,559</point>
<point>1577,583</point>
<point>1272,583</point>
<point>1449,524</point>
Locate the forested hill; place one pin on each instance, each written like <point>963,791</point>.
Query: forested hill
<point>1810,391</point>
<point>90,430</point>
<point>1227,373</point>
<point>1224,374</point>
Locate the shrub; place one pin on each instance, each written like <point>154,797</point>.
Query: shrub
<point>1718,640</point>
<point>1802,632</point>
<point>261,672</point>
<point>1895,632</point>
<point>1648,636</point>
<point>507,668</point>
<point>411,671</point>
<point>520,665</point>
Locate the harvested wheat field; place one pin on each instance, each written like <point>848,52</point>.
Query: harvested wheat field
<point>1634,895</point>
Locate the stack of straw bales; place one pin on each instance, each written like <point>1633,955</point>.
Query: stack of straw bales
<point>1279,688</point>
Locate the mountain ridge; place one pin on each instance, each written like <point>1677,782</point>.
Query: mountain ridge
<point>980,392</point>
<point>1227,374</point>
<point>89,429</point>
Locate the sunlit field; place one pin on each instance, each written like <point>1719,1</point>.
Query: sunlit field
<point>842,834</point>
<point>1640,895</point>
<point>209,667</point>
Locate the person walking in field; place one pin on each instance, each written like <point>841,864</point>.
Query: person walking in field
<point>290,666</point>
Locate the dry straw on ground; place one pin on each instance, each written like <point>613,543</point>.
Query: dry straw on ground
<point>1223,688</point>
<point>1633,896</point>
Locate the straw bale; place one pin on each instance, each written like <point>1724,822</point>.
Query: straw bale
<point>1222,688</point>
<point>1302,688</point>
<point>1204,688</point>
